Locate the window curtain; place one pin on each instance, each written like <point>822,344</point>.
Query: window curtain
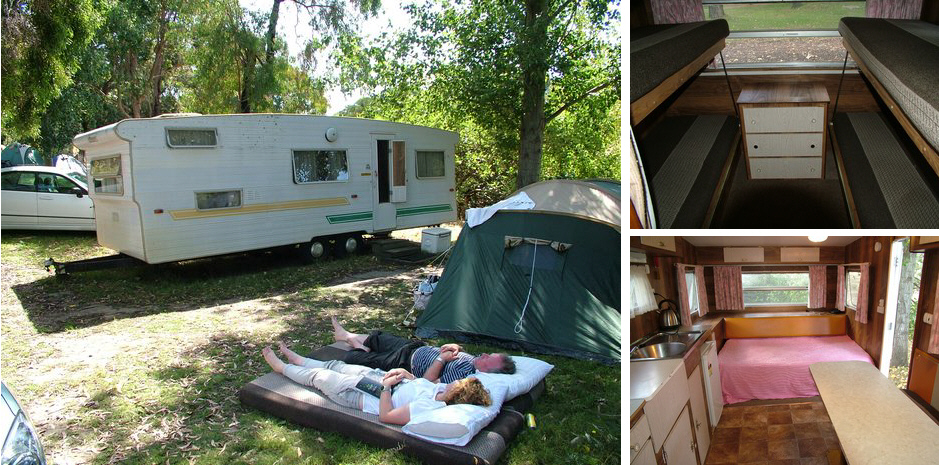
<point>728,287</point>
<point>818,281</point>
<point>677,11</point>
<point>862,292</point>
<point>894,9</point>
<point>839,296</point>
<point>641,295</point>
<point>684,305</point>
<point>702,293</point>
<point>933,345</point>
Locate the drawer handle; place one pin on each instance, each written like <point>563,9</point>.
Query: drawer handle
<point>813,146</point>
<point>753,121</point>
<point>813,120</point>
<point>634,448</point>
<point>756,146</point>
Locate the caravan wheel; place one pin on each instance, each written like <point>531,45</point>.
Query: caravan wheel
<point>348,245</point>
<point>316,249</point>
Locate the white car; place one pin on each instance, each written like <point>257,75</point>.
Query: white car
<point>21,444</point>
<point>45,197</point>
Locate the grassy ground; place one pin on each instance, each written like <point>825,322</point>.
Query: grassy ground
<point>817,15</point>
<point>143,365</point>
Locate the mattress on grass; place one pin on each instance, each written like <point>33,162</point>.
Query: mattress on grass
<point>778,367</point>
<point>279,396</point>
<point>683,158</point>
<point>891,184</point>
<point>657,52</point>
<point>903,55</point>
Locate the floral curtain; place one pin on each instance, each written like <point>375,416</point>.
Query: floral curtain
<point>684,305</point>
<point>933,345</point>
<point>677,11</point>
<point>839,296</point>
<point>728,287</point>
<point>641,295</point>
<point>862,293</point>
<point>702,291</point>
<point>894,9</point>
<point>818,281</point>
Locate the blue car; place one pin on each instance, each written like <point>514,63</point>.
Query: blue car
<point>21,445</point>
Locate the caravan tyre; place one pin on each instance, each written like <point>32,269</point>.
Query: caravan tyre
<point>314,250</point>
<point>348,245</point>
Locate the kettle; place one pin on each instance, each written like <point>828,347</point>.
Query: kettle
<point>668,316</point>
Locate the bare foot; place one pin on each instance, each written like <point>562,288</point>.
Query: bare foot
<point>292,356</point>
<point>357,341</point>
<point>276,364</point>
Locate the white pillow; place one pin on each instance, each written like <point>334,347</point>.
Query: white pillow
<point>457,424</point>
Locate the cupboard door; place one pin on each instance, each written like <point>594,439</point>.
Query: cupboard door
<point>646,455</point>
<point>659,242</point>
<point>665,405</point>
<point>679,446</point>
<point>699,413</point>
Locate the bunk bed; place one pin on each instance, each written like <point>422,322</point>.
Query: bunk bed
<point>685,160</point>
<point>769,357</point>
<point>895,186</point>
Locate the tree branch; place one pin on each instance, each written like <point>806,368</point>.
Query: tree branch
<point>577,100</point>
<point>561,7</point>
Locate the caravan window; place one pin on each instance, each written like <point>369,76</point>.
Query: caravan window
<point>220,199</point>
<point>106,175</point>
<point>775,289</point>
<point>191,138</point>
<point>852,283</point>
<point>430,164</point>
<point>319,166</point>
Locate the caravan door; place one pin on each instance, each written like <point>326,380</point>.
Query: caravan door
<point>384,213</point>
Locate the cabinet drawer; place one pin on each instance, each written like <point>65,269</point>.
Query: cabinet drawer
<point>638,435</point>
<point>784,119</point>
<point>785,168</point>
<point>785,145</point>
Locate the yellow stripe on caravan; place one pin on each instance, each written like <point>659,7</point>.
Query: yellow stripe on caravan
<point>259,208</point>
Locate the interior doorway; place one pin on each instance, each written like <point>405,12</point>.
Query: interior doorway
<point>906,269</point>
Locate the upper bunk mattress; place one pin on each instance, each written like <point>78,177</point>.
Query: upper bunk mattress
<point>778,367</point>
<point>903,55</point>
<point>657,52</point>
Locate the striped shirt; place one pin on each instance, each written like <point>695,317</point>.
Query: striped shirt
<point>458,368</point>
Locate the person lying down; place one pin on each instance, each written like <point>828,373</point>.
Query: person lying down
<point>395,395</point>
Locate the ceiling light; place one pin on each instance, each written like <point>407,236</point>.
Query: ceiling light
<point>818,238</point>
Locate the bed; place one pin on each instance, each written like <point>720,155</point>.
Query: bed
<point>663,57</point>
<point>900,58</point>
<point>277,395</point>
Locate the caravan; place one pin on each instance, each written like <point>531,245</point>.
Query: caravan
<point>180,187</point>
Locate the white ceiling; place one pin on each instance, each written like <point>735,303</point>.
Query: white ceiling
<point>752,241</point>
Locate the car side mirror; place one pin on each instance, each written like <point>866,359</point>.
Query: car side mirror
<point>78,191</point>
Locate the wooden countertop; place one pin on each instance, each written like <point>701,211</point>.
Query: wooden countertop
<point>783,92</point>
<point>875,422</point>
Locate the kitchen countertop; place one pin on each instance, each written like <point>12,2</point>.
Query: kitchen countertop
<point>874,421</point>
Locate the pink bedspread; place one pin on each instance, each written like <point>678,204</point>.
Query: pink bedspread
<point>778,367</point>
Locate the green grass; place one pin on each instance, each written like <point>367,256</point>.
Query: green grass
<point>154,377</point>
<point>789,16</point>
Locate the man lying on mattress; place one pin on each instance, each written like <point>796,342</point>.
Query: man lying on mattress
<point>446,363</point>
<point>395,396</point>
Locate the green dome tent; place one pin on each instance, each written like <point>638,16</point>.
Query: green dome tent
<point>546,279</point>
<point>17,154</point>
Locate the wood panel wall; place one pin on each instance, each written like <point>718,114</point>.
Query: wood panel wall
<point>662,278</point>
<point>927,292</point>
<point>930,11</point>
<point>870,335</point>
<point>831,287</point>
<point>708,95</point>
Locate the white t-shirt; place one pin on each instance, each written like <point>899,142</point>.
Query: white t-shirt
<point>418,394</point>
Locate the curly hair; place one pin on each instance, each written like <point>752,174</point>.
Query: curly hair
<point>468,391</point>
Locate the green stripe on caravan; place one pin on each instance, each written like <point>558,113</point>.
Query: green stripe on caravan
<point>348,218</point>
<point>425,209</point>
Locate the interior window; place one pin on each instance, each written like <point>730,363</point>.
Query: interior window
<point>19,181</point>
<point>191,137</point>
<point>319,166</point>
<point>852,283</point>
<point>783,31</point>
<point>430,164</point>
<point>775,289</point>
<point>692,284</point>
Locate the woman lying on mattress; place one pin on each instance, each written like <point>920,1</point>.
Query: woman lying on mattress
<point>394,395</point>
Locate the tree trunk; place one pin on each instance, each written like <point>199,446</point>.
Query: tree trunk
<point>156,71</point>
<point>272,32</point>
<point>534,84</point>
<point>901,337</point>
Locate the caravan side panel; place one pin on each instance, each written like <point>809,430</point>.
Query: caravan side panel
<point>431,200</point>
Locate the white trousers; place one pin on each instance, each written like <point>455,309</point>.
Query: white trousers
<point>334,378</point>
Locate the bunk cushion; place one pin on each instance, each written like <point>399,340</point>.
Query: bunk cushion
<point>657,52</point>
<point>903,55</point>
<point>683,158</point>
<point>891,188</point>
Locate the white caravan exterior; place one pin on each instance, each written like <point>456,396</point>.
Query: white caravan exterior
<point>180,187</point>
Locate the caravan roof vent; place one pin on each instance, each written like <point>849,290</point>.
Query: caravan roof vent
<point>331,134</point>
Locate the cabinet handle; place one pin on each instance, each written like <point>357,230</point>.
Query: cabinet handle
<point>694,446</point>
<point>697,423</point>
<point>813,120</point>
<point>813,146</point>
<point>634,448</point>
<point>756,146</point>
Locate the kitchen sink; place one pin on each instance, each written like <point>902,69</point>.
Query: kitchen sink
<point>664,345</point>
